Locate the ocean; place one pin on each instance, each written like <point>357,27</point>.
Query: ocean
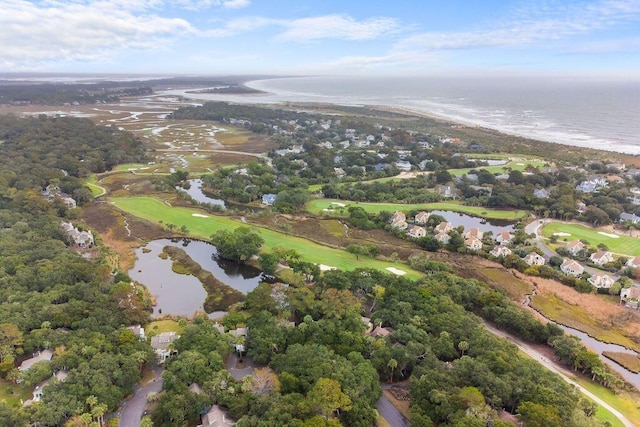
<point>602,114</point>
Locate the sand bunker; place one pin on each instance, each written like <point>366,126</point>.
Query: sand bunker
<point>326,267</point>
<point>396,271</point>
<point>561,234</point>
<point>342,205</point>
<point>613,236</point>
<point>200,215</point>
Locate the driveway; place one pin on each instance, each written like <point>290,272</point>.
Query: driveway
<point>133,409</point>
<point>239,373</point>
<point>389,412</point>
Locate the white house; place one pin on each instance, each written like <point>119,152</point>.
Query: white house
<point>504,237</point>
<point>571,267</point>
<point>422,217</point>
<point>161,343</point>
<point>443,227</point>
<point>500,251</point>
<point>633,262</point>
<point>534,259</point>
<point>473,233</point>
<point>398,220</point>
<point>416,232</point>
<point>601,280</point>
<point>473,244</point>
<point>575,246</point>
<point>601,257</point>
<point>443,238</point>
<point>630,297</point>
<point>138,331</point>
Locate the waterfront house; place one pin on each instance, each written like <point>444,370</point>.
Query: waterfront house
<point>416,232</point>
<point>443,227</point>
<point>422,217</point>
<point>504,237</point>
<point>138,331</point>
<point>473,244</point>
<point>534,259</point>
<point>161,344</point>
<point>601,257</point>
<point>473,233</point>
<point>571,267</point>
<point>601,280</point>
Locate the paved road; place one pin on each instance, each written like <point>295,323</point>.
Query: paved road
<point>133,409</point>
<point>390,413</point>
<point>561,371</point>
<point>239,374</point>
<point>534,228</point>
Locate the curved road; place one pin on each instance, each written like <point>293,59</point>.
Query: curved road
<point>540,358</point>
<point>389,412</point>
<point>133,409</point>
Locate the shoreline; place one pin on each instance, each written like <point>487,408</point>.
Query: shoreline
<point>624,148</point>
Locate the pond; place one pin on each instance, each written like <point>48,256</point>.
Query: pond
<point>195,191</point>
<point>181,294</point>
<point>599,346</point>
<point>469,221</point>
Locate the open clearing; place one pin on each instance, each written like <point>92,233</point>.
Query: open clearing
<point>335,207</point>
<point>154,210</point>
<point>625,245</point>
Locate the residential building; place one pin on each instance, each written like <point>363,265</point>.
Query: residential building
<point>161,344</point>
<point>215,417</point>
<point>403,165</point>
<point>503,237</point>
<point>82,239</point>
<point>399,220</point>
<point>571,267</point>
<point>381,332</point>
<point>138,331</point>
<point>37,357</point>
<point>534,259</point>
<point>500,251</point>
<point>416,231</point>
<point>269,199</point>
<point>473,244</point>
<point>631,217</point>
<point>633,262</point>
<point>630,297</point>
<point>473,233</point>
<point>575,246</point>
<point>422,217</point>
<point>443,227</point>
<point>601,280</point>
<point>38,391</point>
<point>443,238</point>
<point>541,193</point>
<point>601,257</point>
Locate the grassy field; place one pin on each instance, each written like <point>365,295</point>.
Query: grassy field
<point>517,165</point>
<point>579,318</point>
<point>622,244</point>
<point>624,402</point>
<point>14,393</point>
<point>131,166</point>
<point>152,209</point>
<point>159,326</point>
<point>317,206</point>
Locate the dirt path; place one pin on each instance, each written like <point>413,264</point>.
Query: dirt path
<point>562,372</point>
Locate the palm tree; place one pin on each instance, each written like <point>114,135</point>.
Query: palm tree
<point>392,365</point>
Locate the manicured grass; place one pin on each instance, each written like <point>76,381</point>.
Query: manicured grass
<point>622,244</point>
<point>317,206</point>
<point>159,326</point>
<point>517,165</point>
<point>132,166</point>
<point>624,402</point>
<point>579,318</point>
<point>154,210</point>
<point>96,190</point>
<point>13,393</point>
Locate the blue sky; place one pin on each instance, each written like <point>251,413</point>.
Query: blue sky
<point>365,37</point>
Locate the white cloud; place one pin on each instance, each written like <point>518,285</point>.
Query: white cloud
<point>206,4</point>
<point>336,27</point>
<point>533,25</point>
<point>32,34</point>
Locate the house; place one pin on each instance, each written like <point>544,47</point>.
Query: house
<point>339,172</point>
<point>473,244</point>
<point>447,192</point>
<point>161,344</point>
<point>574,247</point>
<point>534,259</point>
<point>541,193</point>
<point>601,257</point>
<point>367,323</point>
<point>37,357</point>
<point>443,238</point>
<point>500,251</point>
<point>82,239</point>
<point>601,280</point>
<point>473,233</point>
<point>592,184</point>
<point>503,237</point>
<point>398,220</point>
<point>581,207</point>
<point>571,267</point>
<point>416,232</point>
<point>631,217</point>
<point>630,297</point>
<point>633,262</point>
<point>443,227</point>
<point>422,217</point>
<point>403,165</point>
<point>381,332</point>
<point>138,331</point>
<point>424,144</point>
<point>38,391</point>
<point>215,417</point>
<point>269,199</point>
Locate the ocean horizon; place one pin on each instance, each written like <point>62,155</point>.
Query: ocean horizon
<point>599,114</point>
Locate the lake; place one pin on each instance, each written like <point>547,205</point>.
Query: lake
<point>181,294</point>
<point>195,191</point>
<point>456,219</point>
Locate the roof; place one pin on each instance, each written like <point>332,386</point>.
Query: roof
<point>162,340</point>
<point>216,417</point>
<point>42,355</point>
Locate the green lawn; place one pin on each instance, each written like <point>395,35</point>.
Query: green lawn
<point>96,190</point>
<point>13,393</point>
<point>622,244</point>
<point>624,402</point>
<point>517,165</point>
<point>131,166</point>
<point>160,326</point>
<point>317,206</point>
<point>154,210</point>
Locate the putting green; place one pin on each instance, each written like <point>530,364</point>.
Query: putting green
<point>625,245</point>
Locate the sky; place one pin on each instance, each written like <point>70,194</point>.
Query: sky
<point>317,37</point>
